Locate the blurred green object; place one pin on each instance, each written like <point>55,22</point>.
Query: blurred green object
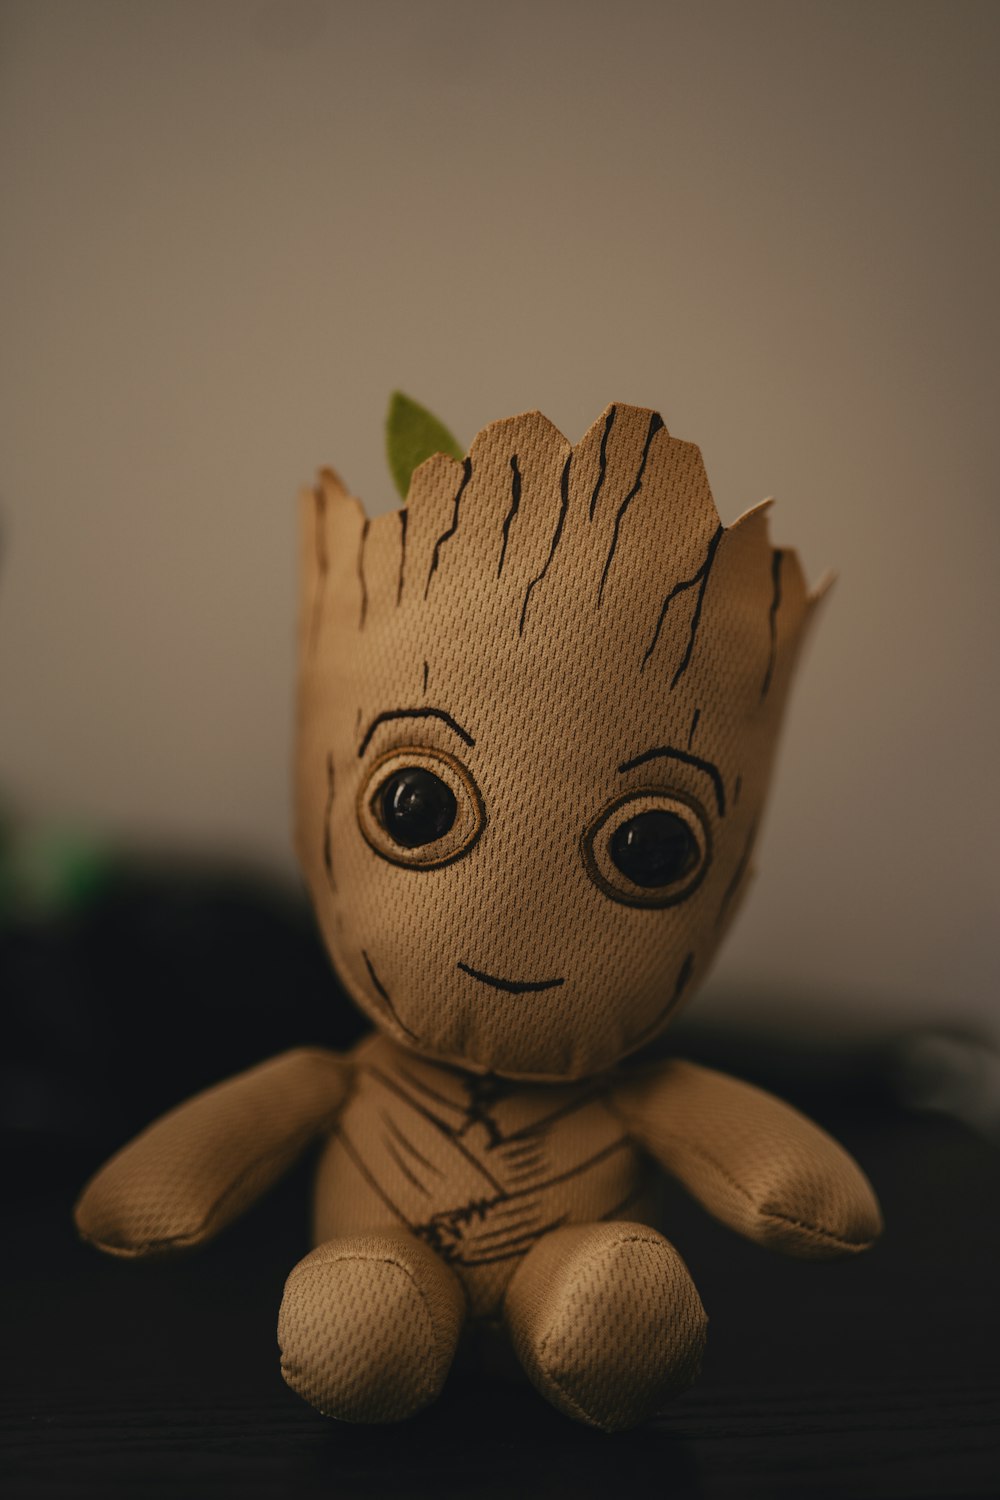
<point>48,871</point>
<point>412,433</point>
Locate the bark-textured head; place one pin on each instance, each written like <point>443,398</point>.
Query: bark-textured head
<point>537,713</point>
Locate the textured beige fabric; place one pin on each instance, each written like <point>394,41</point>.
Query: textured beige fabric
<point>368,1327</point>
<point>606,1322</point>
<point>568,640</point>
<point>754,1162</point>
<point>198,1167</point>
<point>479,1169</point>
<point>562,634</point>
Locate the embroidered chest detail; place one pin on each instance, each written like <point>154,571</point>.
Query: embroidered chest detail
<point>479,1167</point>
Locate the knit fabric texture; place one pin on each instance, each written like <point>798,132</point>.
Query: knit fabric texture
<point>753,1161</point>
<point>565,637</point>
<point>478,1169</point>
<point>368,1327</point>
<point>200,1166</point>
<point>606,1322</point>
<point>566,646</point>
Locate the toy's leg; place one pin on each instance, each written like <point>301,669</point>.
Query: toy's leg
<point>368,1326</point>
<point>606,1322</point>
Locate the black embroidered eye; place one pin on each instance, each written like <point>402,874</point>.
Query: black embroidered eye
<point>416,807</point>
<point>649,847</point>
<point>654,849</point>
<point>420,807</point>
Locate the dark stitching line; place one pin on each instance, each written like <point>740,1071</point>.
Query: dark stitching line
<point>466,475</point>
<point>686,759</point>
<point>536,1129</point>
<point>425,677</point>
<point>522,1172</point>
<point>402,554</point>
<point>772,623</point>
<point>680,985</point>
<point>322,562</point>
<point>511,986</point>
<point>515,501</point>
<point>492,1260</point>
<point>477,1111</point>
<point>571,1172</point>
<point>738,874</point>
<point>608,424</point>
<point>530,1146</point>
<point>369,1176</point>
<point>386,996</point>
<point>655,423</point>
<point>361,573</point>
<point>817,1229</point>
<point>694,726</point>
<point>527,1164</point>
<point>401,1164</point>
<point>425,1088</point>
<point>542,1187</point>
<point>563,507</point>
<point>404,1141</point>
<point>327,850</point>
<point>256,1170</point>
<point>455,1221</point>
<point>519,1223</point>
<point>413,713</point>
<point>390,1083</point>
<point>500,1251</point>
<point>760,1211</point>
<point>686,583</point>
<point>465,1215</point>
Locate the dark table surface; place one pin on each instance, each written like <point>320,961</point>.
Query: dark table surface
<point>875,1377</point>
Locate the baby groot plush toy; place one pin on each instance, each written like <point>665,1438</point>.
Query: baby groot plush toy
<point>538,709</point>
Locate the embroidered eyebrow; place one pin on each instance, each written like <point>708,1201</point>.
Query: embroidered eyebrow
<point>413,713</point>
<point>667,752</point>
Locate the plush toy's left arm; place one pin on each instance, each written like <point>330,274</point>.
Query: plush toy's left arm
<point>755,1163</point>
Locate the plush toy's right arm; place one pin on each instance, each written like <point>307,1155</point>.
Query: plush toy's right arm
<point>197,1168</point>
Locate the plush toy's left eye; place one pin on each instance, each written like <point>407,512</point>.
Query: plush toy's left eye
<point>649,848</point>
<point>654,849</point>
<point>420,808</point>
<point>416,807</point>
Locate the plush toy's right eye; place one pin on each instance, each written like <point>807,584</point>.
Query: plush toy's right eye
<point>648,848</point>
<point>420,808</point>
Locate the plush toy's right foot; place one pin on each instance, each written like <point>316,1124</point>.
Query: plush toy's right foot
<point>368,1327</point>
<point>606,1322</point>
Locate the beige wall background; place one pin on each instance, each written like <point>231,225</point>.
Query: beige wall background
<point>231,227</point>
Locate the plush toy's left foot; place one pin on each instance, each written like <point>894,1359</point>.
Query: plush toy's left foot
<point>368,1326</point>
<point>606,1322</point>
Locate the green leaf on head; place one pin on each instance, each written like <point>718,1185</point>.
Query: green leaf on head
<point>412,433</point>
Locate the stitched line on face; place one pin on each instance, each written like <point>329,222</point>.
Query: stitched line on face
<point>772,621</point>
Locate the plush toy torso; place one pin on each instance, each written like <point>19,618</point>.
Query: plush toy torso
<point>476,1167</point>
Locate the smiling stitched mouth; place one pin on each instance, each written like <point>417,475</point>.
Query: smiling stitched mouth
<point>511,986</point>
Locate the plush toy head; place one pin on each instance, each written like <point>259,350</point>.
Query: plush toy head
<point>538,708</point>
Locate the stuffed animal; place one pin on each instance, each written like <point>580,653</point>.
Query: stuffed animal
<point>538,708</point>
